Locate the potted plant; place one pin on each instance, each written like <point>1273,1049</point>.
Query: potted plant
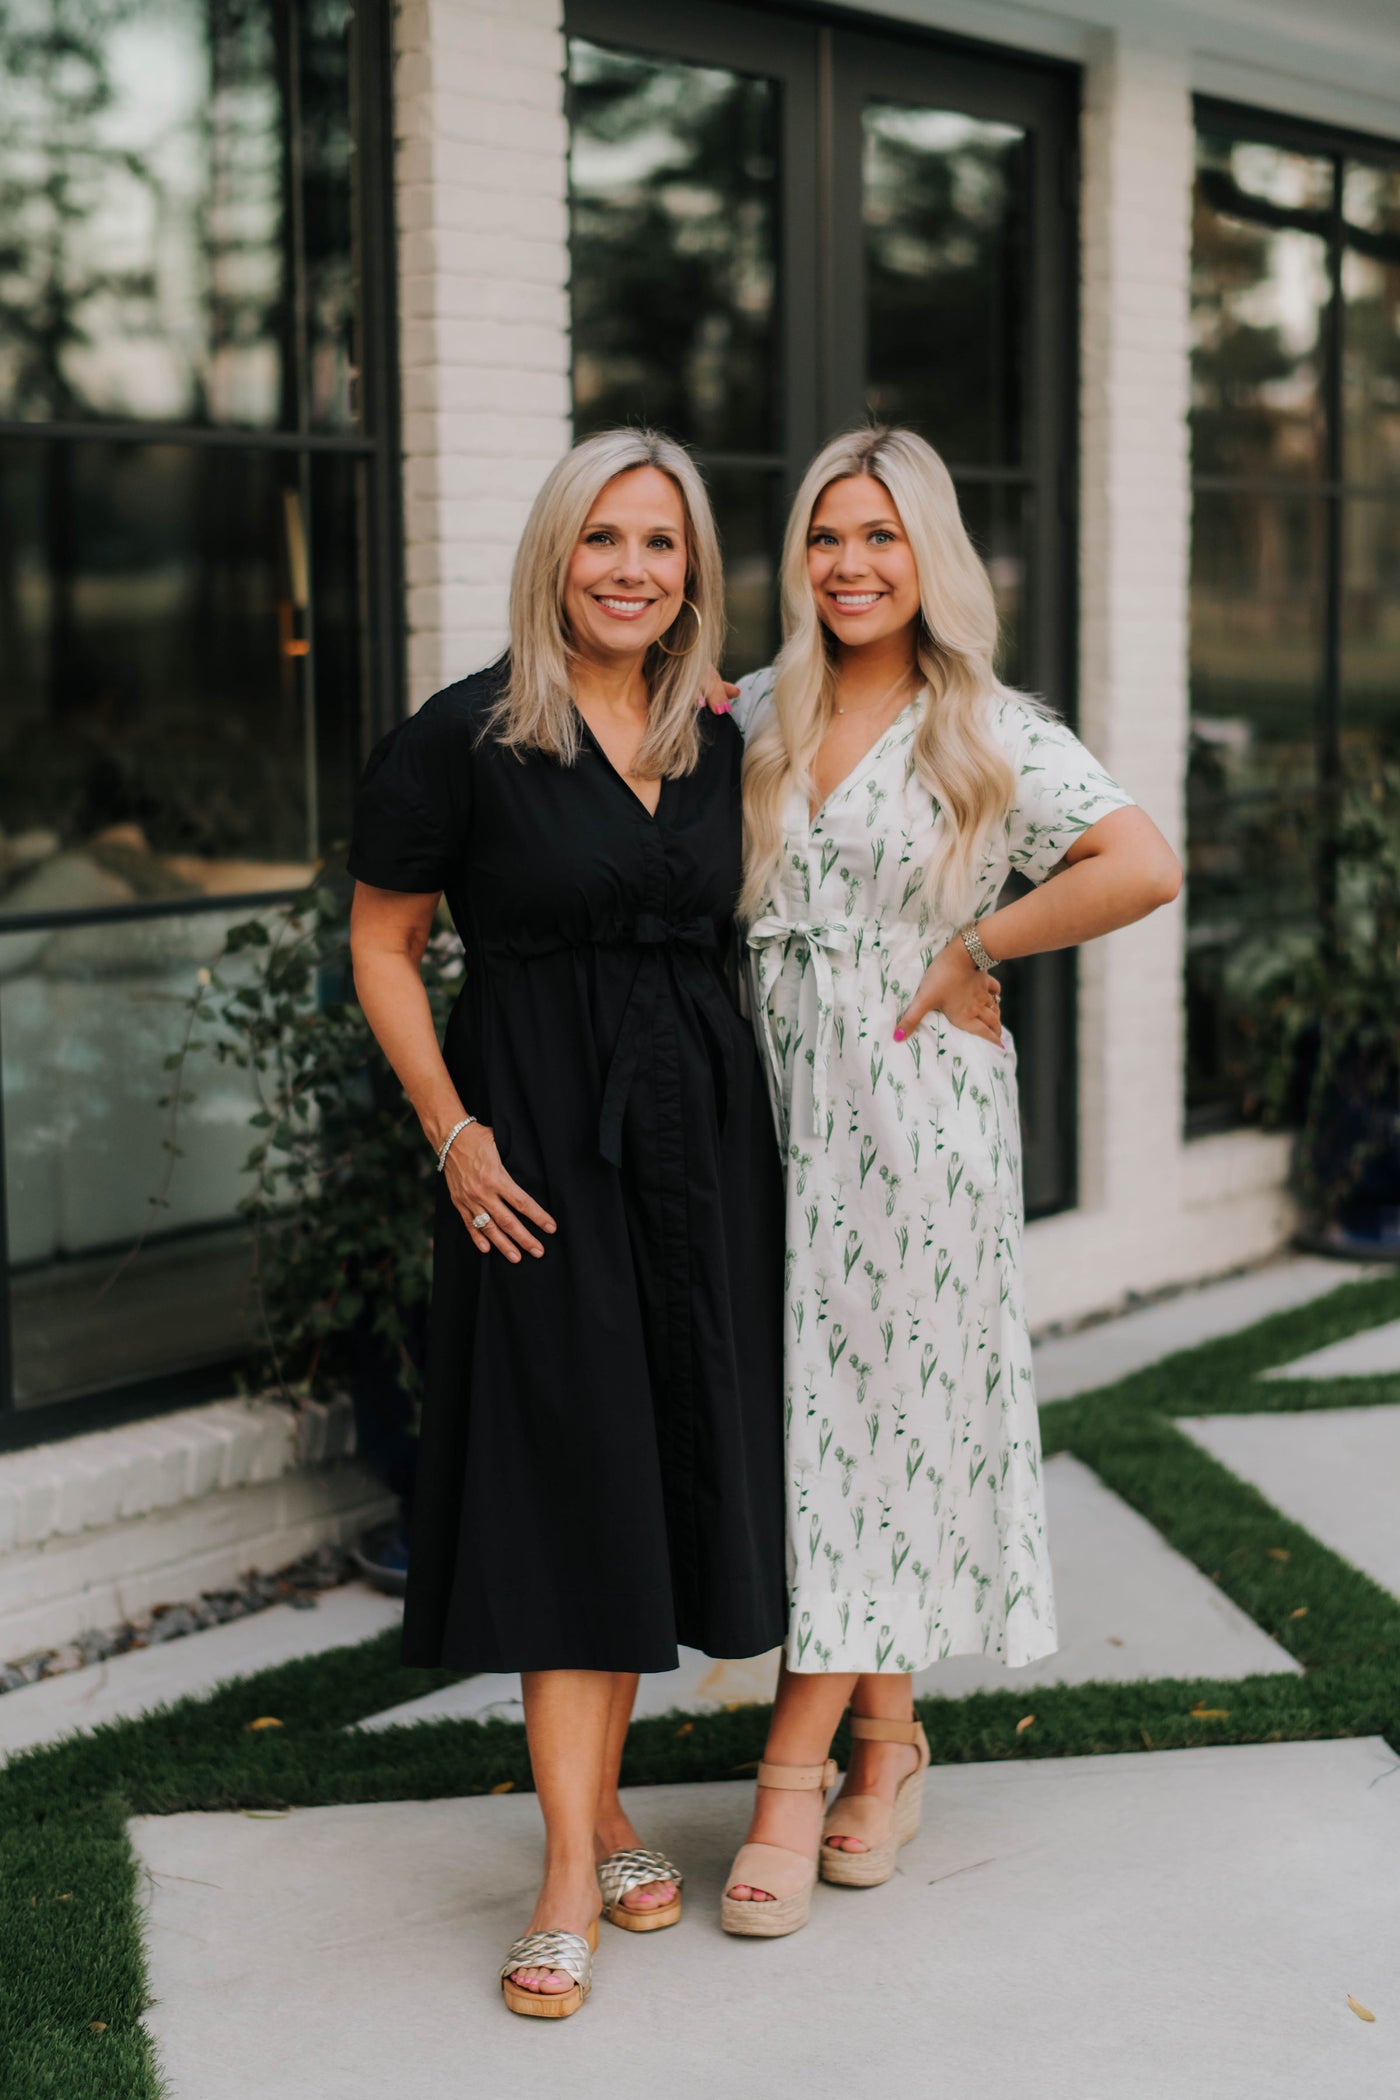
<point>340,1194</point>
<point>1325,1034</point>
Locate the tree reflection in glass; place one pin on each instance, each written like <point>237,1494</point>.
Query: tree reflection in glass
<point>147,254</point>
<point>1259,292</point>
<point>674,213</point>
<point>1371,291</point>
<point>944,209</point>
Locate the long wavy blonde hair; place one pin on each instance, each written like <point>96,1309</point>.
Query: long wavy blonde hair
<point>536,712</point>
<point>955,754</point>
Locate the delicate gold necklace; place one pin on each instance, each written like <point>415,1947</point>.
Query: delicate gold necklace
<point>902,679</point>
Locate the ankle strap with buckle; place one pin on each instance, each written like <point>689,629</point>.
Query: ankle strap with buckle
<point>864,1731</point>
<point>799,1778</point>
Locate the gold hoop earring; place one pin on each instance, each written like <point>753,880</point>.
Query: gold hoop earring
<point>699,629</point>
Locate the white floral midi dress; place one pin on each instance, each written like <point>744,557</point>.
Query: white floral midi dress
<point>915,1509</point>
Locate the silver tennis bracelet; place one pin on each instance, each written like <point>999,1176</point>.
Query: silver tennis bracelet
<point>453,1133</point>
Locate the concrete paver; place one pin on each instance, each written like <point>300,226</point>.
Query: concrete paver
<point>1375,1353</point>
<point>1180,1926</point>
<point>133,1683</point>
<point>1335,1470</point>
<point>1129,1606</point>
<point>1095,1356</point>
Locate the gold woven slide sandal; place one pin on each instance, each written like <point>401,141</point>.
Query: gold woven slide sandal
<point>570,1951</point>
<point>637,1868</point>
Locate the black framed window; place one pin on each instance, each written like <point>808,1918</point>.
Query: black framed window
<point>1295,620</point>
<point>779,227</point>
<point>198,592</point>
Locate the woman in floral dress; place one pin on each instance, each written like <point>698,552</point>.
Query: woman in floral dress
<point>891,786</point>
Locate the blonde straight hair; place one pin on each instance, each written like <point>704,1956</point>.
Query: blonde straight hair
<point>955,754</point>
<point>536,712</point>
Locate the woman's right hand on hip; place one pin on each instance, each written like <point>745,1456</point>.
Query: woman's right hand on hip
<point>482,1191</point>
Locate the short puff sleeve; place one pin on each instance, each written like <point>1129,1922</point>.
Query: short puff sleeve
<point>409,824</point>
<point>1061,789</point>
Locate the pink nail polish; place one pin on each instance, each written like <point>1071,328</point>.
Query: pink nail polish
<point>899,1035</point>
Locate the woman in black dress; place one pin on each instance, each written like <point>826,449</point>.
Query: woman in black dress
<point>601,1462</point>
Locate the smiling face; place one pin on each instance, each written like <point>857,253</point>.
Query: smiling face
<point>626,576</point>
<point>860,563</point>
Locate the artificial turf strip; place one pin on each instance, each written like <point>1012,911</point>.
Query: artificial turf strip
<point>1221,1377</point>
<point>70,1943</point>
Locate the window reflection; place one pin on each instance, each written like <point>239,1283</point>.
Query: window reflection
<point>328,206</point>
<point>1259,291</point>
<point>88,1015</point>
<point>1371,290</point>
<point>169,689</point>
<point>673,173</point>
<point>746,503</point>
<point>1370,636</point>
<point>150,260</point>
<point>995,517</point>
<point>944,200</point>
<point>1257,635</point>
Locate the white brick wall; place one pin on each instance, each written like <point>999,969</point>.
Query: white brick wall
<point>483,274</point>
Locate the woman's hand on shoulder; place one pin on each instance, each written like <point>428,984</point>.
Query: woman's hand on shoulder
<point>967,997</point>
<point>479,1185</point>
<point>717,693</point>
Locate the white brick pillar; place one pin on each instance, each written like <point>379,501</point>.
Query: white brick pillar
<point>482,159</point>
<point>1135,478</point>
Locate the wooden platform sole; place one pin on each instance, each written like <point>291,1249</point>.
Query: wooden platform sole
<point>644,1920</point>
<point>549,2005</point>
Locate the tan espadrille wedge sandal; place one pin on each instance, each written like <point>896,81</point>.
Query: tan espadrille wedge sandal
<point>882,1829</point>
<point>636,1868</point>
<point>787,1877</point>
<point>570,1951</point>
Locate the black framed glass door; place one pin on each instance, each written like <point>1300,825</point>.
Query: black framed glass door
<point>198,623</point>
<point>780,228</point>
<point>1295,632</point>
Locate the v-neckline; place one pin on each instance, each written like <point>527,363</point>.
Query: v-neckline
<point>651,815</point>
<point>814,816</point>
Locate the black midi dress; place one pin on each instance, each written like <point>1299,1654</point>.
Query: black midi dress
<point>600,1472</point>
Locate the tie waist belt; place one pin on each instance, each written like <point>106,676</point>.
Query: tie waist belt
<point>770,939</point>
<point>655,937</point>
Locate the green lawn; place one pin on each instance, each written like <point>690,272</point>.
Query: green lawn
<point>72,1973</point>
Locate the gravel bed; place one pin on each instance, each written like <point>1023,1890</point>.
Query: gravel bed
<point>298,1584</point>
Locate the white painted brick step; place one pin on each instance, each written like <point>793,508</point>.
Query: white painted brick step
<point>54,1592</point>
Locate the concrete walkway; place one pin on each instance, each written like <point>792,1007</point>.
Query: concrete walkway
<point>1335,1471</point>
<point>1129,1607</point>
<point>1182,1926</point>
<point>1112,1349</point>
<point>1179,1926</point>
<point>131,1684</point>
